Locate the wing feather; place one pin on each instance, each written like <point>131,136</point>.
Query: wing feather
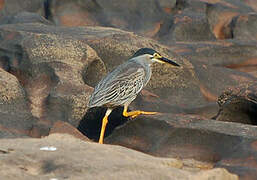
<point>118,87</point>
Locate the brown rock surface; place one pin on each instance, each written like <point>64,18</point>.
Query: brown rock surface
<point>109,44</point>
<point>230,54</point>
<point>66,128</point>
<point>126,15</point>
<point>168,83</point>
<point>221,13</point>
<point>10,90</point>
<point>44,57</point>
<point>10,7</point>
<point>239,104</point>
<point>245,27</point>
<point>168,20</point>
<point>189,24</point>
<point>222,144</point>
<point>71,158</point>
<point>24,17</point>
<point>48,72</point>
<point>220,18</point>
<point>242,161</point>
<point>52,69</point>
<point>158,134</point>
<point>74,13</point>
<point>15,118</point>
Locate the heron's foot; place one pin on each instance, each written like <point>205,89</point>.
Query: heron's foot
<point>134,114</point>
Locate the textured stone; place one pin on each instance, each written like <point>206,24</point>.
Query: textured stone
<point>10,7</point>
<point>74,13</point>
<point>146,20</point>
<point>222,144</point>
<point>15,117</point>
<point>223,55</point>
<point>187,26</point>
<point>221,14</point>
<point>245,27</point>
<point>54,70</point>
<point>239,104</point>
<point>48,72</point>
<point>220,18</point>
<point>166,135</point>
<point>24,17</point>
<point>65,128</point>
<point>89,161</point>
<point>11,89</point>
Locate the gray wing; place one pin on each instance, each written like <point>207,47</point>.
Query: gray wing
<point>118,87</point>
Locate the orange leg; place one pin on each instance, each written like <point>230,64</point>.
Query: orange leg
<point>104,123</point>
<point>134,114</point>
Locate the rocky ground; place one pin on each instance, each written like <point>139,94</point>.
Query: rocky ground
<point>53,53</point>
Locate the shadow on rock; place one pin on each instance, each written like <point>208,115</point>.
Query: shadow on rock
<point>91,123</point>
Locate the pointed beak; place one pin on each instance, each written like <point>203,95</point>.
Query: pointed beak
<point>163,59</point>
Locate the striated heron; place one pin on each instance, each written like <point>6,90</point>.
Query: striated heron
<point>121,86</point>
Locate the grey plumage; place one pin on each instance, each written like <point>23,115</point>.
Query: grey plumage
<point>122,85</point>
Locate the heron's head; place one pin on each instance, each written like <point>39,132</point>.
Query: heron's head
<point>153,56</point>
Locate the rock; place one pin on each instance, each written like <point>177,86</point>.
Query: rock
<point>109,44</point>
<point>24,17</point>
<point>252,4</point>
<point>186,26</point>
<point>47,74</point>
<point>220,17</point>
<point>245,27</point>
<point>193,20</point>
<point>168,5</point>
<point>65,128</point>
<point>54,71</point>
<point>225,53</point>
<point>2,2</point>
<point>239,104</point>
<point>15,118</point>
<point>10,90</point>
<point>167,135</point>
<point>89,161</point>
<point>168,83</point>
<point>119,45</point>
<point>222,174</point>
<point>70,95</point>
<point>146,20</point>
<point>242,161</point>
<point>32,53</point>
<point>74,13</point>
<point>232,54</point>
<point>223,144</point>
<point>11,7</point>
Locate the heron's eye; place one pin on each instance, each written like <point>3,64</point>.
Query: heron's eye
<point>156,55</point>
